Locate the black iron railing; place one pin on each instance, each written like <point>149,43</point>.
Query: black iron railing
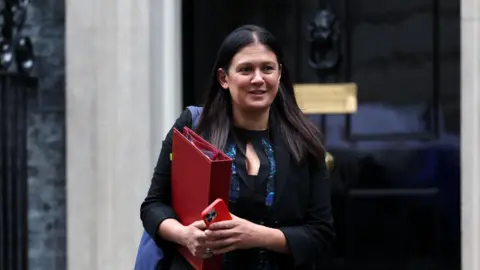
<point>16,64</point>
<point>14,90</point>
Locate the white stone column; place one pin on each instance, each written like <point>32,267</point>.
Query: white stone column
<point>166,66</point>
<point>470,140</point>
<point>123,93</point>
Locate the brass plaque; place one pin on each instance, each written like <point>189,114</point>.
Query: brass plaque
<point>327,98</point>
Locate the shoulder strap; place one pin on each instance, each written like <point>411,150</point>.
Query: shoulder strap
<point>196,112</point>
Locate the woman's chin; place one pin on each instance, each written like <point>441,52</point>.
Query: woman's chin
<point>257,106</point>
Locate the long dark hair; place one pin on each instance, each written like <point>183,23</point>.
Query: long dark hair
<point>301,137</point>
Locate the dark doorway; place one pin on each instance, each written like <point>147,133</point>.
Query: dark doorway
<point>397,176</point>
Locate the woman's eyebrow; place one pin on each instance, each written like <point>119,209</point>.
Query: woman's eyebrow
<point>268,62</point>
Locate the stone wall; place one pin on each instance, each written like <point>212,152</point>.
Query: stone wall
<point>46,138</point>
<point>46,134</point>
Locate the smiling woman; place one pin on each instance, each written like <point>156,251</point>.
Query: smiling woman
<point>252,79</point>
<point>279,193</point>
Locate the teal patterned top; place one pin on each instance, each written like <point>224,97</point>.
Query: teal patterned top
<point>252,197</point>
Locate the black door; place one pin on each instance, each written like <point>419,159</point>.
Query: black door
<point>397,175</point>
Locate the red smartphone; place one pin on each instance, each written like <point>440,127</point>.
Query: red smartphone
<point>215,212</point>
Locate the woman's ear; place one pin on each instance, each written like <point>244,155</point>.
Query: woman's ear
<point>280,72</point>
<point>222,78</point>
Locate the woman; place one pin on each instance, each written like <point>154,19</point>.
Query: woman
<point>280,193</point>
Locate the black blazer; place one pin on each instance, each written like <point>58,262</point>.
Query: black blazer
<point>302,207</point>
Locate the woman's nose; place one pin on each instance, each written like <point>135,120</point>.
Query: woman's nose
<point>257,77</point>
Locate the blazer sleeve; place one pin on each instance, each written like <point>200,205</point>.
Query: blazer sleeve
<point>307,242</point>
<point>157,205</point>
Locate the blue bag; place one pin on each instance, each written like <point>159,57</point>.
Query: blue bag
<point>149,255</point>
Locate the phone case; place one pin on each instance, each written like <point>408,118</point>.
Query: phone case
<point>215,212</point>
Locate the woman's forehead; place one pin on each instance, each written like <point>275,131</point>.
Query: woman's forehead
<point>254,53</point>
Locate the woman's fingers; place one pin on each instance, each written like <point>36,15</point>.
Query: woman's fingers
<point>200,224</point>
<point>224,249</point>
<point>220,234</point>
<point>221,243</point>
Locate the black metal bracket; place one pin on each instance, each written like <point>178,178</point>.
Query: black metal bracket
<point>14,46</point>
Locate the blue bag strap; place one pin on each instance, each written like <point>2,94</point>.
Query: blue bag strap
<point>149,255</point>
<point>196,112</point>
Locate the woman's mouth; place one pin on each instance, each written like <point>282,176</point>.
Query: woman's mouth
<point>257,92</point>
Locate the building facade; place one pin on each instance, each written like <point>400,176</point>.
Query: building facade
<point>106,184</point>
<point>114,75</point>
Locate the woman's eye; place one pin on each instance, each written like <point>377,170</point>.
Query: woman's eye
<point>268,68</point>
<point>244,69</point>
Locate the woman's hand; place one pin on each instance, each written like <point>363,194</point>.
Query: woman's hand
<point>225,236</point>
<point>194,238</point>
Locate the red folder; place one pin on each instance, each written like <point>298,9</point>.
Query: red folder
<point>200,174</point>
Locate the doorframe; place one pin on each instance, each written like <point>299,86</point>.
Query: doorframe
<point>470,133</point>
<point>470,120</point>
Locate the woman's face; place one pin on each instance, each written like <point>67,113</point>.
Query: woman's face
<point>253,78</point>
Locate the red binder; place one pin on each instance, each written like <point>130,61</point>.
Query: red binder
<point>200,174</point>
